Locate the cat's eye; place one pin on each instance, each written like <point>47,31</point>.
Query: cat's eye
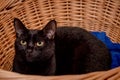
<point>41,43</point>
<point>22,42</point>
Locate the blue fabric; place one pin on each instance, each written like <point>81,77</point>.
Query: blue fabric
<point>114,48</point>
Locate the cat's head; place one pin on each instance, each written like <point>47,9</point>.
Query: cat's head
<point>35,45</point>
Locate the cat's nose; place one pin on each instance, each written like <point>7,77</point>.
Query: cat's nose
<point>29,51</point>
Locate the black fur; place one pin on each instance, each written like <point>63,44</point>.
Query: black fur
<point>66,50</point>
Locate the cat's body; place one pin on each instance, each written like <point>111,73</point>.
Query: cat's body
<point>78,51</point>
<point>65,50</point>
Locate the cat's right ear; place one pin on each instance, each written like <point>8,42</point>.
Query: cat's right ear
<point>49,29</point>
<point>19,27</point>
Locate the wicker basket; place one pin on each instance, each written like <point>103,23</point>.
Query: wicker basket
<point>93,15</point>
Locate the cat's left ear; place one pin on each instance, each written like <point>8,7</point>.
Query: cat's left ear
<point>49,29</point>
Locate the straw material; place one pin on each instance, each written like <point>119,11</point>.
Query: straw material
<point>92,15</point>
<point>103,75</point>
<point>7,4</point>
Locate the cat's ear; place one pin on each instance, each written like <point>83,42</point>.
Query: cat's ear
<point>49,29</point>
<point>19,27</point>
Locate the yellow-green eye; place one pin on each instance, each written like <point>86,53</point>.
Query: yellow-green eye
<point>41,43</point>
<point>23,42</point>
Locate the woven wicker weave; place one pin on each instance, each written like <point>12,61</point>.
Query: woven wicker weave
<point>113,74</point>
<point>93,15</point>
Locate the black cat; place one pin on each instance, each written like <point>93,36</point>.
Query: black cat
<point>58,51</point>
